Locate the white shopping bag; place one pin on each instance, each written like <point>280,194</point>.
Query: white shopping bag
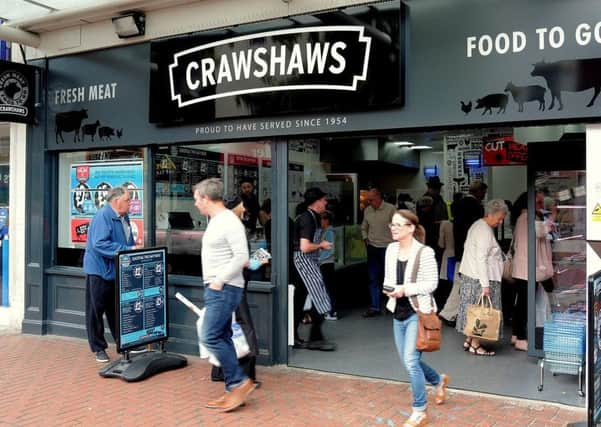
<point>238,337</point>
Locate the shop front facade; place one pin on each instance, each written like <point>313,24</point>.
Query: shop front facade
<point>309,98</point>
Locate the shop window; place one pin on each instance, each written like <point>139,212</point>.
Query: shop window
<point>84,179</point>
<point>179,225</point>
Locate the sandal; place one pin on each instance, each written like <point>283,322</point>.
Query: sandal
<point>467,344</point>
<point>440,394</point>
<point>484,352</point>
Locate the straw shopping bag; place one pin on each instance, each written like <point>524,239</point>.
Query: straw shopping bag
<point>482,320</point>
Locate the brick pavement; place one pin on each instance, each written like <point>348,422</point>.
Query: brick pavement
<point>54,381</point>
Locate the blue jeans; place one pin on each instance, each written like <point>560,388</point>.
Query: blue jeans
<point>405,335</point>
<point>217,331</point>
<point>375,269</point>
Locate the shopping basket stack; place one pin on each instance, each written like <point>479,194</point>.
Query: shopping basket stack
<point>564,343</point>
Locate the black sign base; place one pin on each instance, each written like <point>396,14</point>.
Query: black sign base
<point>141,366</point>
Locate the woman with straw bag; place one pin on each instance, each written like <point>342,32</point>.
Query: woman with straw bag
<point>481,271</point>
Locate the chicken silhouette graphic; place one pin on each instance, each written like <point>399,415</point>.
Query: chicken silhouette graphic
<point>466,108</point>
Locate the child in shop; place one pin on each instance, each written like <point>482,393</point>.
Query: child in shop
<point>326,261</point>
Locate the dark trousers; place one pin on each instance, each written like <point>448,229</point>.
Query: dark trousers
<point>508,299</point>
<point>300,295</point>
<point>327,271</point>
<point>519,321</point>
<point>243,317</point>
<point>375,269</point>
<point>442,292</point>
<point>100,299</point>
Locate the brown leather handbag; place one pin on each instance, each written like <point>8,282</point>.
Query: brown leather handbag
<point>429,329</point>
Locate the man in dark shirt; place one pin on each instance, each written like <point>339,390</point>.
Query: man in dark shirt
<point>439,206</point>
<point>251,204</point>
<point>308,278</point>
<point>466,211</point>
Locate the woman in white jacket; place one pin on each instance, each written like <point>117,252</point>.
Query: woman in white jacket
<point>401,255</point>
<point>481,270</point>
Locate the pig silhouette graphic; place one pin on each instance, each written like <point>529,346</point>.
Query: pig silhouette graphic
<point>494,100</point>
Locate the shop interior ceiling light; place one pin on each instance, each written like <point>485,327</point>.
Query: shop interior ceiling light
<point>421,147</point>
<point>130,24</point>
<point>403,143</point>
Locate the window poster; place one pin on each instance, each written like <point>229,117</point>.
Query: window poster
<point>90,184</point>
<point>265,181</point>
<point>178,169</point>
<point>296,182</point>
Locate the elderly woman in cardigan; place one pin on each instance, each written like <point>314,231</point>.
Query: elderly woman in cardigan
<point>481,270</point>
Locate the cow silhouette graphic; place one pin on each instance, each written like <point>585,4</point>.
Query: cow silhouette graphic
<point>69,121</point>
<point>89,129</point>
<point>494,100</point>
<point>522,94</point>
<point>571,76</point>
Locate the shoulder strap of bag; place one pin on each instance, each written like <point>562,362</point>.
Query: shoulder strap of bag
<point>414,275</point>
<point>416,265</point>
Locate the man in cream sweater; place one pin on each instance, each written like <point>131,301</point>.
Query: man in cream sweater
<point>224,254</point>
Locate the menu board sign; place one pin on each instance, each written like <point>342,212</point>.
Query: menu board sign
<point>141,297</point>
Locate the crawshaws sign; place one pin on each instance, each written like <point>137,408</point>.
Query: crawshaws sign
<point>308,63</point>
<point>326,67</point>
<point>17,92</point>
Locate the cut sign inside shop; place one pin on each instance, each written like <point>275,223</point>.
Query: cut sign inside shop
<point>503,151</point>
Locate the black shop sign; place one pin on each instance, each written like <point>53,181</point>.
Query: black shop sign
<point>17,92</point>
<point>346,60</point>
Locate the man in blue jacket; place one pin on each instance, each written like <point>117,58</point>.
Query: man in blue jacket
<point>110,232</point>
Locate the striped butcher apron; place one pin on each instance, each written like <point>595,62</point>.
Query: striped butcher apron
<point>307,265</point>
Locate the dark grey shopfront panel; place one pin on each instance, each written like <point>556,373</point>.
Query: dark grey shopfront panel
<point>99,99</point>
<point>481,54</point>
<point>456,51</point>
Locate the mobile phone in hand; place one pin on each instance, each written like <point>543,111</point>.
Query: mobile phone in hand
<point>388,288</point>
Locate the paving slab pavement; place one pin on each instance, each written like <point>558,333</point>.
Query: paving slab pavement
<point>54,381</point>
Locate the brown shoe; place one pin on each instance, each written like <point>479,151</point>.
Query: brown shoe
<point>440,395</point>
<point>213,404</point>
<point>237,396</point>
<point>218,403</point>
